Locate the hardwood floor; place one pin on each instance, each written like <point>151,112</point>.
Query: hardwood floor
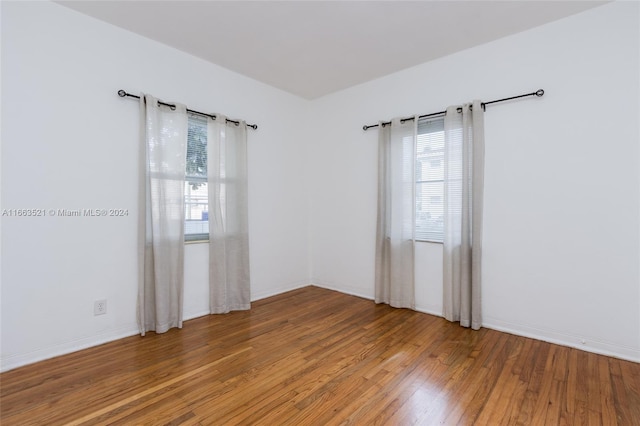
<point>318,357</point>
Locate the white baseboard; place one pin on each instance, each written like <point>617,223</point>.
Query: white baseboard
<point>359,293</point>
<point>430,311</point>
<point>552,336</point>
<point>564,339</point>
<point>195,315</point>
<point>18,360</point>
<point>14,361</point>
<point>353,291</point>
<point>279,290</point>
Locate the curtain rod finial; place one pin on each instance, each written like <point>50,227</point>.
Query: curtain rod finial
<point>539,92</point>
<point>122,93</point>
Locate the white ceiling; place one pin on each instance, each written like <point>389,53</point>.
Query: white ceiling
<point>312,48</point>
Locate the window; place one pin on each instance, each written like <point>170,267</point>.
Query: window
<point>430,180</point>
<point>196,195</point>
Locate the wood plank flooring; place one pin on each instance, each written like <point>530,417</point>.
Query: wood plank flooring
<point>318,357</point>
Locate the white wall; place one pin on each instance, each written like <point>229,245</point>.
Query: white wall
<point>68,141</point>
<point>561,228</point>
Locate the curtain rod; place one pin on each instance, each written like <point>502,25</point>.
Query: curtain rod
<point>537,93</point>
<point>122,94</point>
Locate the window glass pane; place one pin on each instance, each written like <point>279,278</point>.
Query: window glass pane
<point>197,147</point>
<point>429,180</point>
<point>196,208</point>
<point>196,196</point>
<point>429,211</point>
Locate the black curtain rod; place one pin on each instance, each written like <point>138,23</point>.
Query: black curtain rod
<point>537,93</point>
<point>122,94</point>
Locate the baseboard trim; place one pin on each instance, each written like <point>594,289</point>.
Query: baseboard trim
<point>552,336</point>
<point>356,292</point>
<point>429,311</point>
<point>564,339</point>
<point>353,291</point>
<point>12,362</point>
<point>279,290</point>
<point>19,360</point>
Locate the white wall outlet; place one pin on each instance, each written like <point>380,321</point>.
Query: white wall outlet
<point>100,307</point>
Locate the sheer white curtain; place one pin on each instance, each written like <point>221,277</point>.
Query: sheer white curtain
<point>229,278</point>
<point>463,192</point>
<point>161,218</point>
<point>395,237</point>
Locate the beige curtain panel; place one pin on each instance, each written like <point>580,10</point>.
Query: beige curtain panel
<point>463,194</point>
<point>161,220</point>
<point>395,235</point>
<point>229,277</point>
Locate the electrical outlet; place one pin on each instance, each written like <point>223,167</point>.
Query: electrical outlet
<point>100,307</point>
